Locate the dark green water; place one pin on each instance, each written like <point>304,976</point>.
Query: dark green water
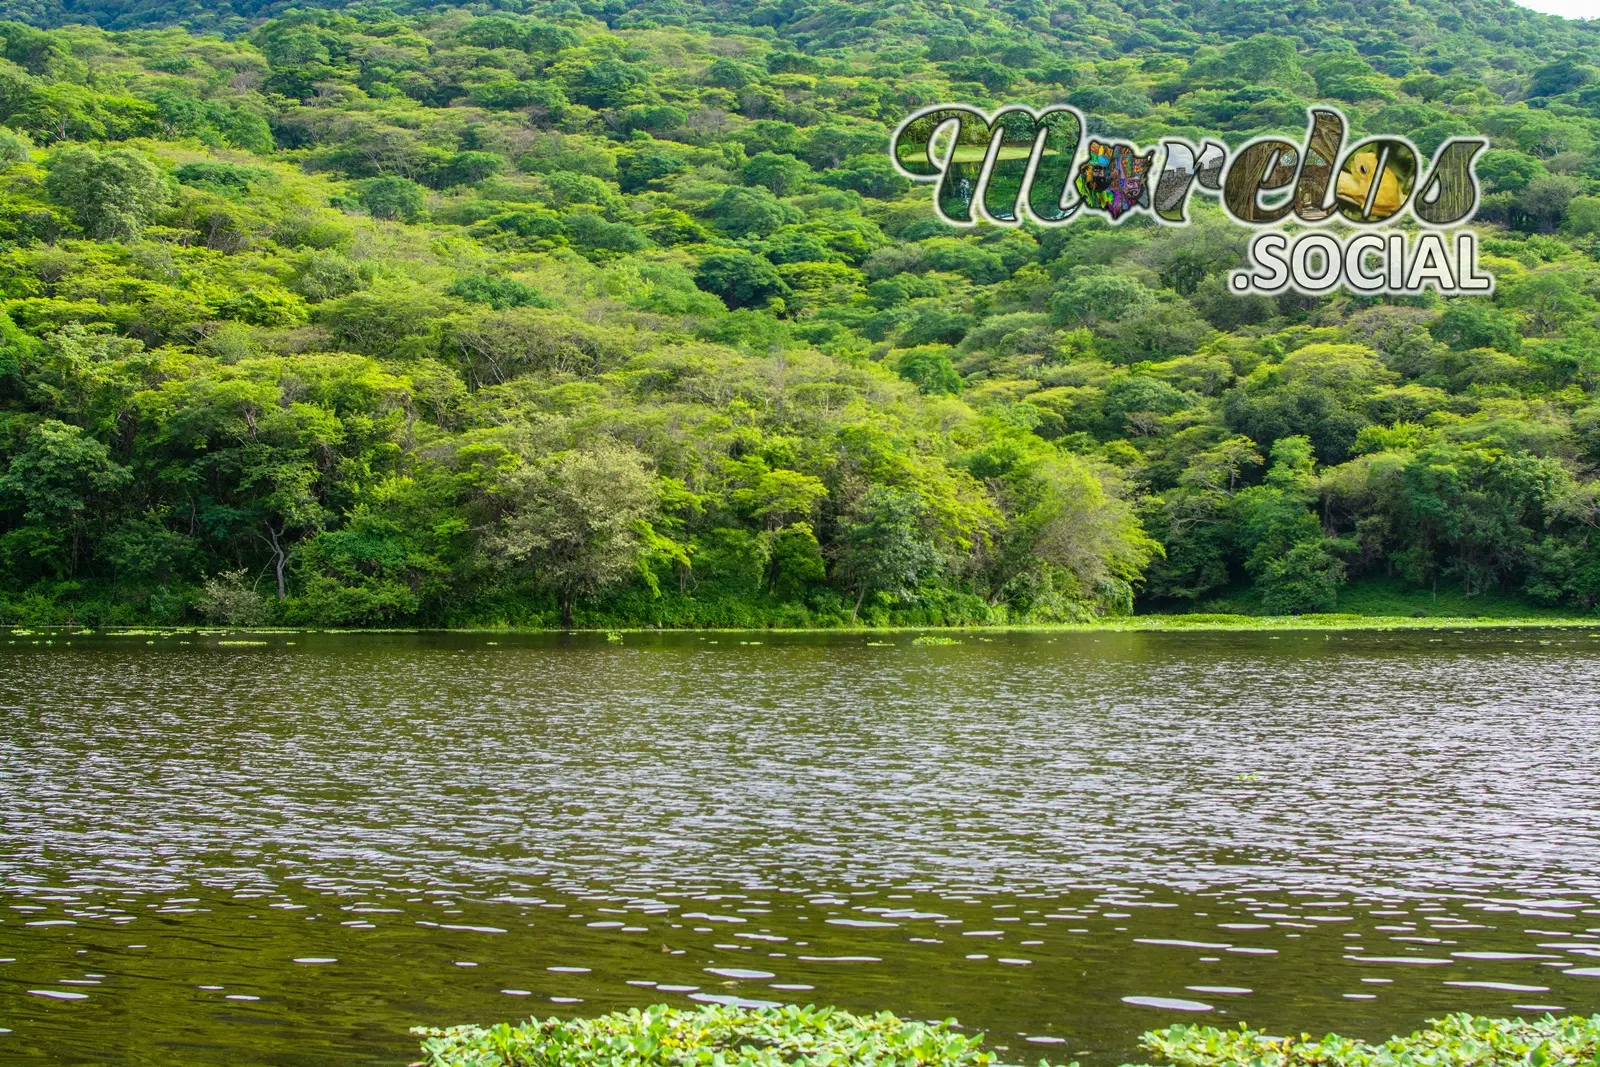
<point>1348,831</point>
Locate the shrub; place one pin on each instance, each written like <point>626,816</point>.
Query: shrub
<point>229,598</point>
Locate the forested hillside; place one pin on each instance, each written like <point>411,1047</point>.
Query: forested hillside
<point>618,313</point>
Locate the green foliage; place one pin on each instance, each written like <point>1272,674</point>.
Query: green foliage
<point>231,599</point>
<point>111,195</point>
<point>660,1036</point>
<point>750,1036</point>
<point>1305,579</point>
<point>391,198</point>
<point>498,293</point>
<point>930,370</point>
<point>351,303</point>
<point>575,519</point>
<point>1454,1040</point>
<point>886,547</point>
<point>740,279</point>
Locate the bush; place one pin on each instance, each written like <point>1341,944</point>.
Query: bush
<point>15,147</point>
<point>230,599</point>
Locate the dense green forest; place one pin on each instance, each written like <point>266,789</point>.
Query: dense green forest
<point>617,312</point>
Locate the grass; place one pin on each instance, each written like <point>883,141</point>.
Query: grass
<point>1382,596</point>
<point>744,1035</point>
<point>1393,597</point>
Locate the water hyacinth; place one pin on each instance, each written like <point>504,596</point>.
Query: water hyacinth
<point>716,1034</point>
<point>1460,1040</point>
<point>829,1037</point>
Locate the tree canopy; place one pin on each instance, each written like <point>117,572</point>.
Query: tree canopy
<point>619,313</point>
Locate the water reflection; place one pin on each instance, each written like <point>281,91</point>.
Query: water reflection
<point>300,850</point>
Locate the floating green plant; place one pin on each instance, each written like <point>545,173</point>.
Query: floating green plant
<point>742,1034</point>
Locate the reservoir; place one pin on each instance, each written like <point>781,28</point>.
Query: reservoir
<point>288,848</point>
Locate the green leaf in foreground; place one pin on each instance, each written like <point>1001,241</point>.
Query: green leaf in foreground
<point>1455,1041</point>
<point>714,1034</point>
<point>829,1037</point>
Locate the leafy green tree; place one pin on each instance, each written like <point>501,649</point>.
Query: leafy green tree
<point>727,73</point>
<point>1097,298</point>
<point>575,520</point>
<point>930,370</point>
<point>14,148</point>
<point>112,195</point>
<point>885,546</point>
<point>468,168</point>
<point>1095,537</point>
<point>56,480</point>
<point>795,562</point>
<point>230,598</point>
<point>1471,511</point>
<point>607,83</point>
<point>498,293</point>
<point>1471,324</point>
<point>780,496</point>
<point>869,175</point>
<point>745,212</point>
<point>1550,301</point>
<point>324,275</point>
<point>636,170</point>
<point>1305,579</point>
<point>782,175</point>
<point>1271,518</point>
<point>391,197</point>
<point>741,279</point>
<point>1561,76</point>
<point>1543,203</point>
<point>1583,215</point>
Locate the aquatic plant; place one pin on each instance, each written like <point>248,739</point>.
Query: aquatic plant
<point>722,1034</point>
<point>732,1035</point>
<point>1460,1040</point>
<point>934,639</point>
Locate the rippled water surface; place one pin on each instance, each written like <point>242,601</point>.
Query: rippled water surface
<point>289,852</point>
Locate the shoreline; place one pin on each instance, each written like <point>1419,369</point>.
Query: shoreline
<point>1198,623</point>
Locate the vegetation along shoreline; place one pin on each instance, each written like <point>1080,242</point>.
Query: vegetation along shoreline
<point>1127,624</point>
<point>610,315</point>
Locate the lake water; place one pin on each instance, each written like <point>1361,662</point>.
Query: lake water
<point>289,852</point>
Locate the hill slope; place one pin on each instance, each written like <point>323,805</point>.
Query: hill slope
<point>618,313</point>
